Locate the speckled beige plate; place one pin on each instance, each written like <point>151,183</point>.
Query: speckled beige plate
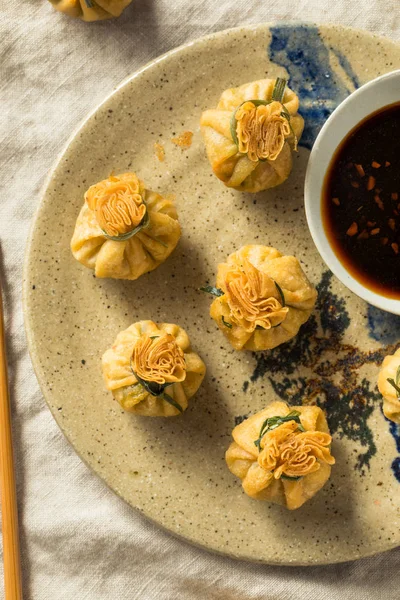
<point>173,470</point>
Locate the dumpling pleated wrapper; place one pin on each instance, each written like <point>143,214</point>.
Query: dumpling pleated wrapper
<point>389,377</point>
<point>262,132</point>
<point>119,203</point>
<point>291,463</point>
<point>163,352</point>
<point>254,313</point>
<point>91,10</point>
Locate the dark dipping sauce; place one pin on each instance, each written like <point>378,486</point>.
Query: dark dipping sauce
<point>361,202</point>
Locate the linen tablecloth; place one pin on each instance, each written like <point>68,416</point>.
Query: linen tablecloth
<point>79,541</point>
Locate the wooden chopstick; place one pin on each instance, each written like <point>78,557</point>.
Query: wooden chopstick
<point>11,555</point>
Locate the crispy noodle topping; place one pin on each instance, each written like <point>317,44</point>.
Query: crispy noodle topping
<point>159,359</point>
<point>261,130</point>
<point>117,204</point>
<point>253,298</point>
<point>292,453</point>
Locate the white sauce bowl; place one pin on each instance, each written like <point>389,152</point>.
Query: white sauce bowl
<point>371,97</point>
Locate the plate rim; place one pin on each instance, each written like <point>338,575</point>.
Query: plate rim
<point>26,289</point>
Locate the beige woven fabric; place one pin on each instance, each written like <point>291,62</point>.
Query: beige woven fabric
<point>79,541</point>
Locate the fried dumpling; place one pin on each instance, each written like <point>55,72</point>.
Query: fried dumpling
<point>124,230</point>
<point>91,10</point>
<point>262,298</point>
<point>389,386</point>
<point>151,369</point>
<point>249,137</point>
<point>282,454</point>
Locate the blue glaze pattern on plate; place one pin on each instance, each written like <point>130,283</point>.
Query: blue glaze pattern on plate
<point>301,50</point>
<point>346,66</point>
<point>394,429</point>
<point>383,327</point>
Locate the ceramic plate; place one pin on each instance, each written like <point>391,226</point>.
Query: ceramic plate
<point>173,470</point>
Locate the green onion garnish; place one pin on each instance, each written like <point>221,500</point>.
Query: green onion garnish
<point>157,390</point>
<point>279,89</point>
<point>278,287</point>
<point>274,422</point>
<point>173,402</point>
<point>396,384</point>
<point>209,289</point>
<point>229,325</point>
<point>144,223</point>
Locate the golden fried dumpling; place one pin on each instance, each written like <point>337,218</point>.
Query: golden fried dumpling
<point>250,135</point>
<point>262,298</point>
<point>152,370</point>
<point>124,230</point>
<point>91,10</point>
<point>389,386</point>
<point>282,454</point>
